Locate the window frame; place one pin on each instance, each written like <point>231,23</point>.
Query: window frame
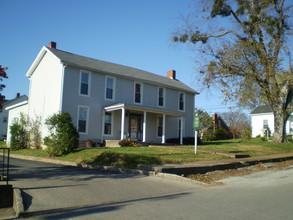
<point>179,93</point>
<point>80,83</point>
<point>159,117</point>
<point>164,97</point>
<point>114,86</point>
<point>112,122</point>
<point>86,120</point>
<point>141,93</point>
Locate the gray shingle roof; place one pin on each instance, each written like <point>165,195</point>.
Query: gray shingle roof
<point>262,109</point>
<point>118,70</point>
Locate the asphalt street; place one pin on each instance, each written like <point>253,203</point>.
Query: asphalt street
<point>60,192</point>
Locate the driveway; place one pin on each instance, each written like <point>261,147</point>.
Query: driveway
<point>60,192</point>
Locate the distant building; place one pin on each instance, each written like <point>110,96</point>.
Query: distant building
<point>262,119</point>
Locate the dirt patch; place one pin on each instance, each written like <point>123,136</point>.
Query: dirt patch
<point>212,178</point>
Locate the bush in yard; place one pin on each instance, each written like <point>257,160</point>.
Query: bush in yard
<point>128,143</point>
<point>63,137</point>
<point>19,136</point>
<point>221,134</point>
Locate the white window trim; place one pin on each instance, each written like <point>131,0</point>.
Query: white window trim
<point>157,129</point>
<point>112,125</point>
<point>184,101</point>
<point>164,97</point>
<point>141,93</point>
<point>87,119</point>
<point>89,83</point>
<point>114,88</point>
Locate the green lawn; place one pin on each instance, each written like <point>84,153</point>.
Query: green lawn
<point>133,156</point>
<point>254,147</point>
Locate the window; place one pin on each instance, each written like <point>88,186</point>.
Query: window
<point>82,119</point>
<point>110,84</point>
<point>159,126</point>
<point>5,120</point>
<point>161,97</point>
<point>181,101</point>
<point>84,83</point>
<point>265,124</point>
<point>138,93</point>
<point>108,123</point>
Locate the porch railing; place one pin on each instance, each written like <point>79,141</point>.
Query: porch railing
<point>4,163</point>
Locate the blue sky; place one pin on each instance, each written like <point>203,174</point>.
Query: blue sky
<point>129,32</point>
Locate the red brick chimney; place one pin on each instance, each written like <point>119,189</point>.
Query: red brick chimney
<point>171,74</point>
<point>52,44</point>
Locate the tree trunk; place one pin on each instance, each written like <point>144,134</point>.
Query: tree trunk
<point>280,127</point>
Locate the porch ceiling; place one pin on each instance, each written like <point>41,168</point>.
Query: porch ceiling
<point>120,106</point>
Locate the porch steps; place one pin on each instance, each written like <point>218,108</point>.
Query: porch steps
<point>112,143</point>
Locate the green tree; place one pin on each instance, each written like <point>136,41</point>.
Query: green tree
<point>3,74</point>
<point>63,137</point>
<point>249,56</point>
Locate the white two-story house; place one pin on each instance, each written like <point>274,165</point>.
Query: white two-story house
<point>108,101</point>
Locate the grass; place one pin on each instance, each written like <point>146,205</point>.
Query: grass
<point>131,157</point>
<point>254,147</point>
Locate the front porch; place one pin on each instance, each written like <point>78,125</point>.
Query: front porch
<point>141,124</point>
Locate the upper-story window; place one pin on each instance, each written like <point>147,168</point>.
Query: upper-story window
<point>181,100</point>
<point>84,87</point>
<point>137,93</point>
<point>110,88</point>
<point>161,97</point>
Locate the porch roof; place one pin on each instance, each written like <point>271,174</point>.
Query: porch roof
<point>119,106</point>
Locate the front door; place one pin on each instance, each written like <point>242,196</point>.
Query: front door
<point>135,127</point>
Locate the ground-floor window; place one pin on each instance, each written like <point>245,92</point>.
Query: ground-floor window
<point>108,123</point>
<point>159,126</point>
<point>82,119</point>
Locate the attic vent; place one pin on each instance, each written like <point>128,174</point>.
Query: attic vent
<point>171,74</point>
<point>52,44</point>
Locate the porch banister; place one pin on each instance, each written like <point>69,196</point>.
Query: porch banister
<point>144,128</point>
<point>164,129</point>
<point>122,122</point>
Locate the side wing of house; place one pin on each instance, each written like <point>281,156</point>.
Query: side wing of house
<point>45,93</point>
<point>14,112</point>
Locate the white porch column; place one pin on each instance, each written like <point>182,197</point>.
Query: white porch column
<point>122,122</point>
<point>164,129</point>
<point>181,130</point>
<point>144,127</point>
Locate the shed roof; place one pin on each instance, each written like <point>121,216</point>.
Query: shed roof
<point>262,109</point>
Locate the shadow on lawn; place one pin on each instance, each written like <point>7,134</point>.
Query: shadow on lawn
<point>125,160</point>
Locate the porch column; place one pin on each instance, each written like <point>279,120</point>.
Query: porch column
<point>122,122</point>
<point>164,129</point>
<point>144,127</point>
<point>181,131</point>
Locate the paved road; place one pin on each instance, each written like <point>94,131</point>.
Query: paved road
<point>58,192</point>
